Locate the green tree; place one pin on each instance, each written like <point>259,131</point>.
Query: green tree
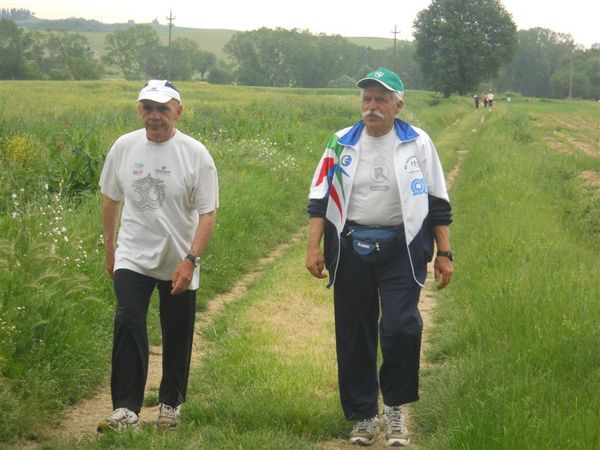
<point>136,52</point>
<point>460,43</point>
<point>221,74</point>
<point>205,62</point>
<point>296,58</point>
<point>561,80</point>
<point>592,69</point>
<point>69,57</point>
<point>14,45</point>
<point>182,58</point>
<point>540,53</point>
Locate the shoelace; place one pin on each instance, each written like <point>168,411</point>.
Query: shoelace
<point>119,414</point>
<point>395,420</point>
<point>169,411</point>
<point>363,425</point>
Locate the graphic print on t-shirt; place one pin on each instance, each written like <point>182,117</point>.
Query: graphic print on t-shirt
<point>379,174</point>
<point>151,192</point>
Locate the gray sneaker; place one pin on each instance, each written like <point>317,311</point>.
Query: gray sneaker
<point>168,417</point>
<point>364,431</point>
<point>120,419</point>
<point>396,432</point>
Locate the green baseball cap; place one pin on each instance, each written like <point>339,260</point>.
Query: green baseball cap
<point>386,78</point>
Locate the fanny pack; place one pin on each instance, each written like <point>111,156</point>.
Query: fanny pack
<point>374,244</point>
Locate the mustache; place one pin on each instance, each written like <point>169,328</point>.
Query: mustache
<point>373,114</point>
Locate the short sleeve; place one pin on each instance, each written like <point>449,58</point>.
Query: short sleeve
<point>109,181</point>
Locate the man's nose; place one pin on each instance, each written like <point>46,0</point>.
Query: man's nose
<point>372,105</point>
<point>155,113</point>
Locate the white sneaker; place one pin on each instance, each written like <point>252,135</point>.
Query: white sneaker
<point>120,419</point>
<point>168,417</point>
<point>396,432</point>
<point>364,431</point>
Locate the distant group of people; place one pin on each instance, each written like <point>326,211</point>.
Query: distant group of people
<point>488,100</point>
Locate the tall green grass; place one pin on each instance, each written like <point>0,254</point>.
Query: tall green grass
<point>517,335</point>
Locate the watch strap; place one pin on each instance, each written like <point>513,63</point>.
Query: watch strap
<point>447,253</point>
<point>193,259</point>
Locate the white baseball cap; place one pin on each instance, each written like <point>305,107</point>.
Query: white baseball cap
<point>160,91</point>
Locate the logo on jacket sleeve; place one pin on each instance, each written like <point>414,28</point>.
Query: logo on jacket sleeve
<point>418,186</point>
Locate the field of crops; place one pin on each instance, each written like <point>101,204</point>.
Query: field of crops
<point>514,350</point>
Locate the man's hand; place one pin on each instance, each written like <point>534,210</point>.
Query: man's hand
<point>110,262</point>
<point>315,262</point>
<point>442,271</point>
<point>182,277</point>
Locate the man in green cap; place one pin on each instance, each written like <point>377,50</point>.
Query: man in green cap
<point>379,199</point>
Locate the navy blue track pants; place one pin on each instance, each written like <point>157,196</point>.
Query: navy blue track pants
<point>376,302</point>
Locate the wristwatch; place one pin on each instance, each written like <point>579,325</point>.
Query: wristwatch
<point>447,253</point>
<point>193,259</point>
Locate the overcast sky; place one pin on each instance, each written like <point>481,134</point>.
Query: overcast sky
<point>580,18</point>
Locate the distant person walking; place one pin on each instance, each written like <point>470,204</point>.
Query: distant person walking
<point>490,102</point>
<point>476,100</point>
<point>379,199</point>
<point>485,100</point>
<point>162,184</point>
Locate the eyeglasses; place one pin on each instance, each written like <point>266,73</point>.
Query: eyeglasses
<point>162,109</point>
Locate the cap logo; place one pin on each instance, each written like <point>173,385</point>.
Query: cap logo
<point>378,74</point>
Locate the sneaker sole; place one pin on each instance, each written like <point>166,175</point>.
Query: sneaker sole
<point>104,427</point>
<point>361,441</point>
<point>397,442</point>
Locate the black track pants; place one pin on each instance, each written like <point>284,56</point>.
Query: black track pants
<point>130,340</point>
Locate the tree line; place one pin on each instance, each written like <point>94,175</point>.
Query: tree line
<point>459,47</point>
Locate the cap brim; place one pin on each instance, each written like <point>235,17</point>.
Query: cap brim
<point>362,83</point>
<point>155,97</point>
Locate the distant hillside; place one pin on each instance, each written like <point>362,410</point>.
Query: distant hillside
<point>212,40</point>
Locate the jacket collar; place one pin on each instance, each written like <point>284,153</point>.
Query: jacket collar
<point>404,132</point>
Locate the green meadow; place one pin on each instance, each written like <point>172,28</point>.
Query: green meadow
<point>513,361</point>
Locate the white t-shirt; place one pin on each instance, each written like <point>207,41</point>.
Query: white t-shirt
<point>375,198</point>
<point>164,188</point>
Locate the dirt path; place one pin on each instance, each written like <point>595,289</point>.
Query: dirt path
<point>81,420</point>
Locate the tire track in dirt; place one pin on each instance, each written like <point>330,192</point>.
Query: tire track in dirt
<point>80,421</point>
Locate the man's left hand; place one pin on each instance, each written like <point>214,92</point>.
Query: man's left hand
<point>182,277</point>
<point>442,271</point>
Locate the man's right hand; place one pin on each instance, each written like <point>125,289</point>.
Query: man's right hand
<point>110,262</point>
<point>315,263</point>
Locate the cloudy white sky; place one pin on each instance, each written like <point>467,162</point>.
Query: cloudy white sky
<point>348,18</point>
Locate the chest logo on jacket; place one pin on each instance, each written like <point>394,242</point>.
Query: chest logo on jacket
<point>411,165</point>
<point>151,193</point>
<point>346,160</point>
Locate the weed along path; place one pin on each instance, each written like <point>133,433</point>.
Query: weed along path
<point>81,420</point>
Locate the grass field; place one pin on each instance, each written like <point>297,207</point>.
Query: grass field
<point>514,361</point>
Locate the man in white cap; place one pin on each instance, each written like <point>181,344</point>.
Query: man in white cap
<point>163,186</point>
<point>379,198</point>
